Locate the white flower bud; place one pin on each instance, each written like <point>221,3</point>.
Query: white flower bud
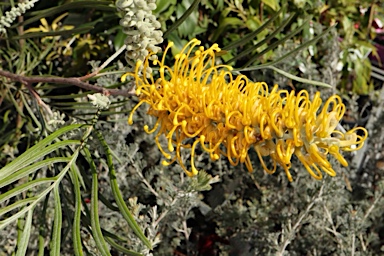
<point>141,26</point>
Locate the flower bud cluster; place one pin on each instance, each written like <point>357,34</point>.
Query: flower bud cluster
<point>16,11</point>
<point>141,27</point>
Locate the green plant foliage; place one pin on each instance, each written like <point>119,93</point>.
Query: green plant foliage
<point>76,179</point>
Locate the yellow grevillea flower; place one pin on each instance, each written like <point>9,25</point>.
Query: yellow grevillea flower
<point>199,101</point>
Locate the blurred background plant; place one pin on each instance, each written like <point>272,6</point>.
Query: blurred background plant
<point>89,183</point>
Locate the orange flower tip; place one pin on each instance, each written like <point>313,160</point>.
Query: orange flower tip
<point>177,56</point>
<point>165,163</point>
<point>195,40</point>
<point>130,121</point>
<point>196,61</point>
<point>333,149</point>
<point>193,172</point>
<point>170,44</point>
<point>146,128</point>
<point>215,156</point>
<point>341,159</point>
<point>202,138</point>
<point>138,92</point>
<point>124,77</point>
<point>170,147</point>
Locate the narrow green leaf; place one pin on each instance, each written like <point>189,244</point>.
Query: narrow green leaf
<point>77,245</point>
<point>57,222</point>
<point>264,41</point>
<point>88,184</point>
<point>22,243</point>
<point>96,229</point>
<point>35,152</point>
<point>24,187</point>
<point>44,193</point>
<point>277,43</point>
<point>79,176</point>
<point>224,23</point>
<point>121,248</point>
<point>301,47</point>
<point>24,172</point>
<point>17,204</point>
<point>118,197</point>
<point>70,96</point>
<point>253,34</point>
<point>37,15</point>
<point>178,22</point>
<point>31,156</point>
<point>293,77</point>
<point>42,227</point>
<point>274,4</point>
<point>79,30</point>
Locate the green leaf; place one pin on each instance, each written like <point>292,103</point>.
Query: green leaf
<point>39,151</point>
<point>23,160</point>
<point>301,47</point>
<point>15,205</point>
<point>162,5</point>
<point>118,196</point>
<point>121,248</point>
<point>96,5</point>
<point>188,27</point>
<point>274,4</point>
<point>224,23</point>
<point>42,227</point>
<point>24,187</point>
<point>57,222</point>
<point>178,22</point>
<point>30,169</point>
<point>95,223</point>
<point>119,39</point>
<point>33,156</point>
<point>277,43</point>
<point>253,34</point>
<point>76,238</point>
<point>80,30</point>
<point>22,243</point>
<point>290,76</point>
<point>264,41</point>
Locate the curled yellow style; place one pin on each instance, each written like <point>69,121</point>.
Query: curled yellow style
<point>227,115</point>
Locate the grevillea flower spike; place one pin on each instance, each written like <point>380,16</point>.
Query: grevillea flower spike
<point>197,100</point>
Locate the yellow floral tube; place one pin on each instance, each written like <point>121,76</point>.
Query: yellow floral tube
<point>199,100</point>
